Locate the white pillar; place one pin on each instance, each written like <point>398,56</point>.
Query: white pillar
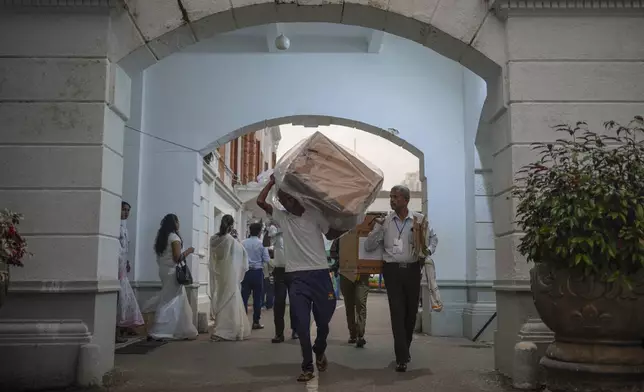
<point>63,106</point>
<point>563,67</point>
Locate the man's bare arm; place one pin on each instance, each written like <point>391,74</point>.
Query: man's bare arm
<point>261,199</point>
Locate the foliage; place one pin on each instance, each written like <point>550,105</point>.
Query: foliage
<point>13,247</point>
<point>581,204</point>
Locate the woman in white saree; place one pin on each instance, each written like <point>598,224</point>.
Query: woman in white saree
<point>228,265</point>
<point>172,311</point>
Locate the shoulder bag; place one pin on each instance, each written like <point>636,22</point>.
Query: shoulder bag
<point>184,276</point>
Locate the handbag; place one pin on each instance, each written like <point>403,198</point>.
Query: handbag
<point>184,276</point>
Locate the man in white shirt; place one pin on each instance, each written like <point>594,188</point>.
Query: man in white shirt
<point>307,273</point>
<point>402,272</point>
<point>281,288</point>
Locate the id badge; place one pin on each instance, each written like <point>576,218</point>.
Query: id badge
<point>398,246</point>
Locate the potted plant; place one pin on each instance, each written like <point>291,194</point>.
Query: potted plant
<point>13,248</point>
<point>581,207</point>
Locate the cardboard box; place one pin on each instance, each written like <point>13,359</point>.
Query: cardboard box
<point>353,257</point>
<point>330,178</point>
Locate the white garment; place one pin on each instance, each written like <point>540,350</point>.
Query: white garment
<point>173,315</point>
<point>393,230</point>
<point>128,313</point>
<point>303,243</point>
<point>278,247</point>
<point>428,279</point>
<point>228,265</point>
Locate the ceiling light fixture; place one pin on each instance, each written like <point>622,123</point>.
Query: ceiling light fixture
<point>282,42</point>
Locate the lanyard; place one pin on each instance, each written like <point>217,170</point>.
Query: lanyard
<point>400,230</point>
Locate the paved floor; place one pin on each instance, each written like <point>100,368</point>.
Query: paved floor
<point>438,364</point>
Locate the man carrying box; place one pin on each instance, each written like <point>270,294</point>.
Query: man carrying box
<point>355,289</point>
<point>404,255</point>
<point>307,273</point>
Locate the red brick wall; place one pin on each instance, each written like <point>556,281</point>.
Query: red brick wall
<point>222,162</point>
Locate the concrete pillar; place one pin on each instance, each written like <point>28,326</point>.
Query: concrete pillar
<point>481,301</point>
<point>63,105</point>
<point>561,69</point>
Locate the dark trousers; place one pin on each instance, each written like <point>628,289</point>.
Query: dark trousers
<point>403,290</point>
<point>311,290</point>
<point>355,304</point>
<point>269,293</point>
<point>253,281</point>
<point>281,291</point>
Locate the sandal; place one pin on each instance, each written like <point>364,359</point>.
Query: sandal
<point>321,362</point>
<point>306,377</point>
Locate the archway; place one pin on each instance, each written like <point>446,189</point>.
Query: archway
<point>230,190</point>
<point>190,104</point>
<point>458,288</point>
<point>161,29</point>
<point>466,32</point>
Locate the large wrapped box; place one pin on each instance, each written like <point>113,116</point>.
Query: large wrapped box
<point>328,177</point>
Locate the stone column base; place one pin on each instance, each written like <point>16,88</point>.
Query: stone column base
<point>40,354</point>
<point>535,331</point>
<point>475,318</point>
<point>449,321</point>
<point>514,306</point>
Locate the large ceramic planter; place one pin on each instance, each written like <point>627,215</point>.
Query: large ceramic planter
<point>599,331</point>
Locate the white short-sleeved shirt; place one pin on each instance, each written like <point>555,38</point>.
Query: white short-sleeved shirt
<point>303,243</point>
<point>165,259</point>
<point>278,247</point>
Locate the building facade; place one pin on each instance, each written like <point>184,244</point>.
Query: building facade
<point>69,77</point>
<point>229,173</point>
<point>412,181</point>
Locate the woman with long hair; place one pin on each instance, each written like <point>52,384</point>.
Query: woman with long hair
<point>228,265</point>
<point>173,316</point>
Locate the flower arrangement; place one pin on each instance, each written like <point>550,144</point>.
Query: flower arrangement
<point>581,205</point>
<point>13,247</point>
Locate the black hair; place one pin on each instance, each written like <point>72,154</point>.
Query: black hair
<point>226,225</point>
<point>255,229</point>
<point>125,203</point>
<point>168,225</point>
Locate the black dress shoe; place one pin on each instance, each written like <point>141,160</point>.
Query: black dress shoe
<point>352,340</point>
<point>258,326</point>
<point>360,343</point>
<point>295,336</point>
<point>401,367</point>
<point>278,339</point>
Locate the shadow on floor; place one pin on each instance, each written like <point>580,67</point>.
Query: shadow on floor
<point>341,373</point>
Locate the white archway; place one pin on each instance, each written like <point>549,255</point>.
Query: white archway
<point>465,32</point>
<point>189,103</point>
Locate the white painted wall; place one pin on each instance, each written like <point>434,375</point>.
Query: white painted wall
<point>480,227</point>
<point>197,98</point>
<point>132,169</point>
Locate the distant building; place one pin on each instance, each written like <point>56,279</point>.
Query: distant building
<point>229,187</point>
<point>412,181</point>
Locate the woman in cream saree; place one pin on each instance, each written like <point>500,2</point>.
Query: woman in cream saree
<point>228,265</point>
